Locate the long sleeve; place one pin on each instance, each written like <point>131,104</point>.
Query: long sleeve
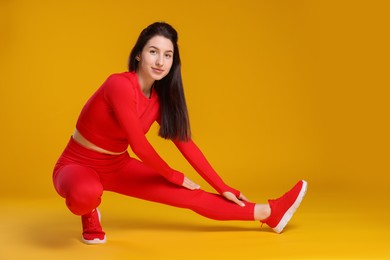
<point>199,162</point>
<point>122,98</point>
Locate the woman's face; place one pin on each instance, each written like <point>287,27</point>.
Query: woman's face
<point>156,58</point>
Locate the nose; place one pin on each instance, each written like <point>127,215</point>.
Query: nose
<point>160,61</point>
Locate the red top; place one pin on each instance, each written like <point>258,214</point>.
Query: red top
<point>118,114</point>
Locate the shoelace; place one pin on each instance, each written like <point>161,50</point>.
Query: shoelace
<point>91,222</point>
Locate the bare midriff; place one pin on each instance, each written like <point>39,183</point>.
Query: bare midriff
<point>84,142</point>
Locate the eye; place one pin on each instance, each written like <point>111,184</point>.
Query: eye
<point>168,55</point>
<point>153,52</point>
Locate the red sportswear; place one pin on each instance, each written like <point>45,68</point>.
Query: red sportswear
<point>119,115</point>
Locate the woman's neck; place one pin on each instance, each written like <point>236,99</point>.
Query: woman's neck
<point>146,85</point>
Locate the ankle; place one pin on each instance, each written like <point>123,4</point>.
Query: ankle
<point>262,211</point>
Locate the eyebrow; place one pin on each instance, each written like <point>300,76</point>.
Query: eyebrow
<point>158,48</point>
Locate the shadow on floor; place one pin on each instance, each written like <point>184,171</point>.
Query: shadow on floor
<point>53,231</point>
<point>62,231</point>
<point>166,225</point>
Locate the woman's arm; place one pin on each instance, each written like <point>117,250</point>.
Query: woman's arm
<point>199,162</point>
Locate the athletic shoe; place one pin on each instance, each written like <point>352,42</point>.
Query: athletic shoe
<point>92,230</point>
<point>283,208</point>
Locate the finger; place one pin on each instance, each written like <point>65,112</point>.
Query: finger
<point>242,197</point>
<point>237,201</point>
<point>230,196</point>
<point>193,184</point>
<point>190,184</point>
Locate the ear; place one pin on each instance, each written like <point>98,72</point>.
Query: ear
<point>138,58</point>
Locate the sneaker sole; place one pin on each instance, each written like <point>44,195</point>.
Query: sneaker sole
<point>290,212</point>
<point>96,241</point>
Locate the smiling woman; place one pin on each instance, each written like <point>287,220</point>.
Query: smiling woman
<point>156,52</point>
<point>155,61</point>
<point>119,114</point>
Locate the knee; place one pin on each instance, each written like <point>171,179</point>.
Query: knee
<point>82,199</point>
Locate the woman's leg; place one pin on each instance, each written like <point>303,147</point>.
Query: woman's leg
<point>139,180</point>
<point>80,186</point>
<point>82,190</point>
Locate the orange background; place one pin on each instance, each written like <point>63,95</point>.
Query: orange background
<point>277,91</point>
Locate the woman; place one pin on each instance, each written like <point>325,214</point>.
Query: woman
<point>119,114</point>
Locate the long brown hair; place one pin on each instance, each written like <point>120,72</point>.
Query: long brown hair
<point>174,120</point>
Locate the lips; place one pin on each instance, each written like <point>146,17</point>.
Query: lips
<point>159,71</point>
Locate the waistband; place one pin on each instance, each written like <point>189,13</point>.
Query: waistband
<point>75,153</point>
<point>74,146</point>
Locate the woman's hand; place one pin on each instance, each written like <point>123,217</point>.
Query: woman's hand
<point>230,196</point>
<point>187,183</point>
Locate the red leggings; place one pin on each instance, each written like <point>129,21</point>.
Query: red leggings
<point>81,175</point>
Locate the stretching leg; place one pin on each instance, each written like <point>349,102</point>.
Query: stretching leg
<point>140,181</point>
